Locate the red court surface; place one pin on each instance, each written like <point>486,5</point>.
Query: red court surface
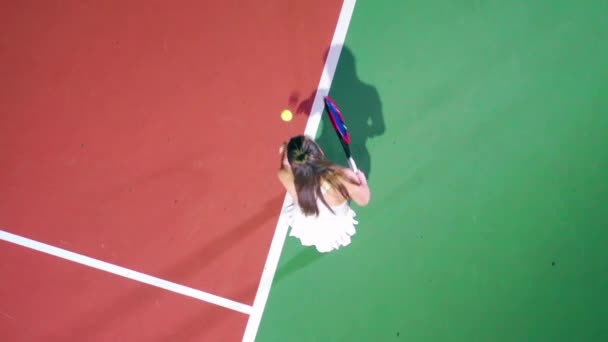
<point>52,299</point>
<point>145,136</point>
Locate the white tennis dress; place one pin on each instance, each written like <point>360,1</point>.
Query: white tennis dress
<point>328,231</point>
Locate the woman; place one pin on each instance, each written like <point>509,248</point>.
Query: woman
<point>321,215</point>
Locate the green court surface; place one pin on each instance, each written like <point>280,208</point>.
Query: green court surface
<point>484,128</point>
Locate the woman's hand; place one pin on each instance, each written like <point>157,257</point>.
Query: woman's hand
<point>357,186</point>
<point>355,177</point>
<point>283,154</point>
<point>362,180</point>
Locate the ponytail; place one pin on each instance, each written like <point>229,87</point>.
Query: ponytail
<point>310,168</point>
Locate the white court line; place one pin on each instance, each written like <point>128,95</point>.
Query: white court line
<point>125,272</point>
<point>312,126</point>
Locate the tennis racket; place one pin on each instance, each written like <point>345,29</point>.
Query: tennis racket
<point>337,120</point>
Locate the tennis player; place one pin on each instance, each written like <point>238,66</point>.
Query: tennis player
<point>321,215</point>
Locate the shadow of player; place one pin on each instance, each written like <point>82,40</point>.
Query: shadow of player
<point>362,109</point>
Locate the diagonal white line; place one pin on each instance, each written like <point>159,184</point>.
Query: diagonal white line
<point>124,272</point>
<point>312,126</point>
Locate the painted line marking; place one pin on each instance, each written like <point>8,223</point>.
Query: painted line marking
<point>312,126</point>
<point>125,272</point>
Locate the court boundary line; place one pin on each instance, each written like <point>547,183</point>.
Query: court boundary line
<point>312,126</point>
<point>125,272</point>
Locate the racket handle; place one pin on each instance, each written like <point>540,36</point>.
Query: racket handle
<point>353,166</point>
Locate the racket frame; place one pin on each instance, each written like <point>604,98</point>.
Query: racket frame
<point>340,128</point>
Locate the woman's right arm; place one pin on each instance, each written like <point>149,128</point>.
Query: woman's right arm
<point>357,187</point>
<point>285,175</point>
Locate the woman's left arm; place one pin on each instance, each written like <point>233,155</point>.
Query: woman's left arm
<point>285,175</point>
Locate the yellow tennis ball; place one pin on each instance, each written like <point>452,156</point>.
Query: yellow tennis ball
<point>286,115</point>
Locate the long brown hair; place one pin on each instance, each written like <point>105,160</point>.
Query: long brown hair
<point>310,168</point>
